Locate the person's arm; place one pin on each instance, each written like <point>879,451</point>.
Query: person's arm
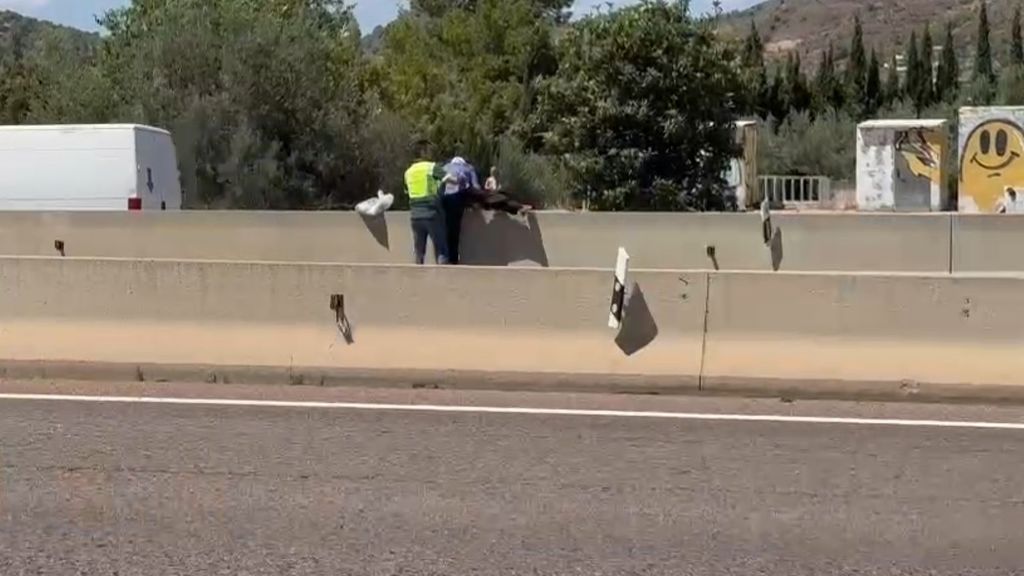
<point>443,176</point>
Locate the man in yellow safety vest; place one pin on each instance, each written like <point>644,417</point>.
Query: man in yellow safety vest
<point>423,181</point>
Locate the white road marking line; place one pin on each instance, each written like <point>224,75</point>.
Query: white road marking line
<point>520,411</point>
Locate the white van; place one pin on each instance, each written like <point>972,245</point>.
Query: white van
<point>109,167</point>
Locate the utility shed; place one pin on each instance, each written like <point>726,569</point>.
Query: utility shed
<point>902,167</point>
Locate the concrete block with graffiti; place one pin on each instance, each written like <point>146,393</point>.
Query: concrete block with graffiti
<point>901,165</point>
<point>991,147</point>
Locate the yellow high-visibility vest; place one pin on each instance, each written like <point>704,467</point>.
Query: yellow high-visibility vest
<point>420,181</point>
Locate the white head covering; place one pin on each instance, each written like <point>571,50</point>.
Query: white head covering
<point>458,160</point>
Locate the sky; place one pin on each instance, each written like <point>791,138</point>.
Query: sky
<point>81,13</point>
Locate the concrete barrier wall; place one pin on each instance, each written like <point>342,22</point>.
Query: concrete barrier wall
<point>683,330</point>
<point>401,318</point>
<point>804,242</point>
<point>851,242</point>
<point>833,329</point>
<point>988,243</point>
<point>260,236</point>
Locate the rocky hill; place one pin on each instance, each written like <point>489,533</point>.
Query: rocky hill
<point>809,25</point>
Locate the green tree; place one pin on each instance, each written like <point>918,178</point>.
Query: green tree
<point>891,91</point>
<point>756,76</point>
<point>18,88</point>
<point>1010,91</point>
<point>983,68</point>
<point>1011,81</point>
<point>46,70</point>
<point>778,95</point>
<point>873,85</point>
<point>464,71</point>
<point>753,48</point>
<point>947,82</point>
<point>857,68</point>
<point>642,108</point>
<point>756,97</point>
<point>798,94</point>
<point>926,89</point>
<point>1016,42</point>
<point>67,86</point>
<point>912,62</point>
<point>263,96</point>
<point>828,88</point>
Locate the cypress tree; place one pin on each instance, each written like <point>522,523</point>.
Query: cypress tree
<point>947,82</point>
<point>764,94</point>
<point>941,77</point>
<point>755,74</point>
<point>838,93</point>
<point>788,83</point>
<point>954,69</point>
<point>912,81</point>
<point>753,48</point>
<point>983,69</point>
<point>873,85</point>
<point>925,77</point>
<point>799,93</point>
<point>856,73</point>
<point>778,102</point>
<point>892,83</point>
<point>825,80</point>
<point>1016,44</point>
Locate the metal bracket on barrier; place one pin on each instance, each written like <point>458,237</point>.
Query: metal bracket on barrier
<point>617,309</point>
<point>58,245</point>
<point>766,222</point>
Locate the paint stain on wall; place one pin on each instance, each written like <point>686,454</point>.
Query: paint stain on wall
<point>918,168</point>
<point>922,151</point>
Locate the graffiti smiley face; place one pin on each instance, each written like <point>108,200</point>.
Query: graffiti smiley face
<point>992,160</point>
<point>994,147</point>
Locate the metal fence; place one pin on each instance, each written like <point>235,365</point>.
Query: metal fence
<point>796,190</point>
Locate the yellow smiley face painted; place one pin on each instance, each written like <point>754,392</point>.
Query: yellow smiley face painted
<point>992,160</point>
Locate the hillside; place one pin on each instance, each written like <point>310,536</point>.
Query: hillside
<point>809,25</point>
<point>19,35</point>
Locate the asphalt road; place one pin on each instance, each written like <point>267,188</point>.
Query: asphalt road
<point>133,489</point>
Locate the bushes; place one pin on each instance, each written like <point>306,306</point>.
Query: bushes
<point>532,178</point>
<point>802,146</point>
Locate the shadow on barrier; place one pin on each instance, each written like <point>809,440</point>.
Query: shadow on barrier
<point>341,318</point>
<point>776,249</point>
<point>638,329</point>
<point>712,252</point>
<point>498,239</point>
<point>378,227</point>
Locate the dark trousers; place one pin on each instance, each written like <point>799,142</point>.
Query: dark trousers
<point>433,228</point>
<point>454,208</point>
